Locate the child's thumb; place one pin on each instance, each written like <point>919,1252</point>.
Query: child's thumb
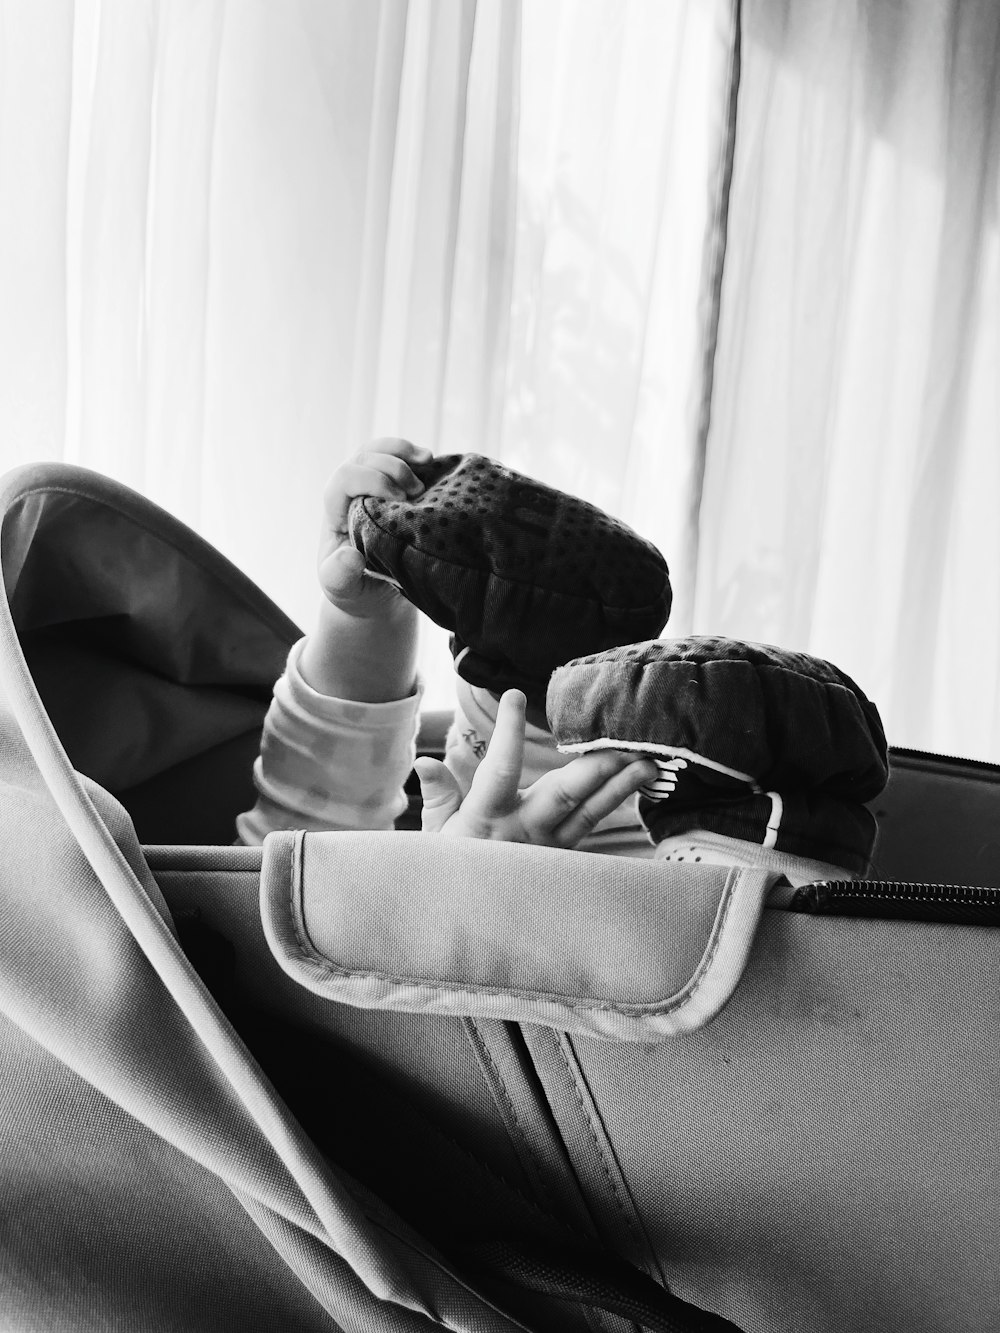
<point>439,791</point>
<point>342,574</point>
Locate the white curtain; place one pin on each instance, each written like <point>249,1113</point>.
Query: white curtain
<point>853,468</point>
<point>621,193</point>
<point>262,235</point>
<point>238,238</point>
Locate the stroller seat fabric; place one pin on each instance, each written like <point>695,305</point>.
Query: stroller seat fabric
<point>388,1082</point>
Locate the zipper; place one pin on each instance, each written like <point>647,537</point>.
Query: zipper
<point>901,757</point>
<point>957,904</point>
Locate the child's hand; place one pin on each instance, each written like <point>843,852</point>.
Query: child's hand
<point>364,646</point>
<point>383,469</point>
<point>556,811</point>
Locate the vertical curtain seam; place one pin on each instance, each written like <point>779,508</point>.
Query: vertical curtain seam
<point>625,481</point>
<point>500,289</point>
<point>206,311</point>
<point>454,214</point>
<point>370,311</point>
<point>67,242</point>
<point>715,264</point>
<point>148,231</point>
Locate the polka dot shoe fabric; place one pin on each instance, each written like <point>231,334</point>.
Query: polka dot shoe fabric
<point>752,742</point>
<point>523,575</point>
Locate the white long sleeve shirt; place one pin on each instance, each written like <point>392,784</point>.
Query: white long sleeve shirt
<point>336,764</point>
<point>329,763</point>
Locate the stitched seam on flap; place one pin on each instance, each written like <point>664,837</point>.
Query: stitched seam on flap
<point>296,888</point>
<point>575,1004</point>
<point>312,955</point>
<point>714,940</point>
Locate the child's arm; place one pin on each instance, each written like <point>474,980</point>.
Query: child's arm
<point>339,737</point>
<point>558,810</point>
<point>365,641</point>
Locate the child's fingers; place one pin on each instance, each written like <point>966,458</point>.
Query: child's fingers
<point>370,473</point>
<point>562,790</point>
<point>342,575</point>
<point>373,474</point>
<point>396,471</point>
<point>566,805</point>
<point>605,798</point>
<point>494,789</point>
<point>405,449</point>
<point>439,792</point>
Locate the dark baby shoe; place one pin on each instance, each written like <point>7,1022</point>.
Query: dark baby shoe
<point>752,742</point>
<point>524,576</point>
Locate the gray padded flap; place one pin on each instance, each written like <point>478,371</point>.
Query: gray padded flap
<point>598,944</point>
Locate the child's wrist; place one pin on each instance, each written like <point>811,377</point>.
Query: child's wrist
<point>364,659</point>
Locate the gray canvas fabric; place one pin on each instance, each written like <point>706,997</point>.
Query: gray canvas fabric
<point>821,1154</point>
<point>118,1063</point>
<point>465,928</point>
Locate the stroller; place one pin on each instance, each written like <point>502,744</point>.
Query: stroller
<point>380,1081</point>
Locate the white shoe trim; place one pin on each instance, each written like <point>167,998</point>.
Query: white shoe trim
<point>674,751</point>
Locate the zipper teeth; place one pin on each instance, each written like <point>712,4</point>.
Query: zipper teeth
<point>983,765</point>
<point>906,892</point>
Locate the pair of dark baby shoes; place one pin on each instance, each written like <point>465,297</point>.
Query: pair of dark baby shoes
<point>546,593</point>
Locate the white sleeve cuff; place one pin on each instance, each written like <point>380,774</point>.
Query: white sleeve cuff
<point>328,763</point>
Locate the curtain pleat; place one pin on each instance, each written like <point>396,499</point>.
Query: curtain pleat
<point>711,304</point>
<point>36,63</point>
<point>238,240</point>
<point>623,113</point>
<point>851,462</point>
<point>390,46</point>
<point>421,245</point>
